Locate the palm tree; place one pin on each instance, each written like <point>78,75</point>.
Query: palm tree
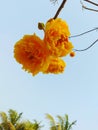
<point>62,124</point>
<point>12,122</point>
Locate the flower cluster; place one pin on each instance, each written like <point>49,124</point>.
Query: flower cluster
<point>44,55</point>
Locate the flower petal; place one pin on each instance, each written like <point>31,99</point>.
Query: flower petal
<point>56,66</point>
<point>31,52</point>
<point>56,37</point>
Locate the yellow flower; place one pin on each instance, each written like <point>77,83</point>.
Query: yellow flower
<point>56,66</point>
<point>31,52</point>
<point>38,55</point>
<point>56,37</point>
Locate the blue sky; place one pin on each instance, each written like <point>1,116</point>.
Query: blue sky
<point>75,92</point>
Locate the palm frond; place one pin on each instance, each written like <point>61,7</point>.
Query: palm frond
<point>51,119</point>
<point>14,116</point>
<point>53,128</point>
<point>70,126</point>
<point>18,117</point>
<point>4,126</point>
<point>28,125</point>
<point>36,125</point>
<point>66,122</point>
<point>61,121</point>
<point>1,128</point>
<point>3,116</point>
<point>20,126</point>
<point>7,126</point>
<point>10,126</point>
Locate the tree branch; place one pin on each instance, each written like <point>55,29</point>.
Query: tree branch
<point>59,9</point>
<point>83,6</point>
<point>89,8</point>
<point>84,33</point>
<point>91,2</point>
<point>87,47</point>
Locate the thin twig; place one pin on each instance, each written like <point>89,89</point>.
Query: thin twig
<point>89,8</point>
<point>91,2</point>
<point>84,33</point>
<point>59,9</point>
<point>54,1</point>
<point>87,47</point>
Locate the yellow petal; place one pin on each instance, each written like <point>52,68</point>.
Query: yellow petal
<point>31,52</point>
<point>56,37</point>
<point>56,66</point>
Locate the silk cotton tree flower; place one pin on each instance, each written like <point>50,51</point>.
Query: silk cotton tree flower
<point>56,37</point>
<point>56,66</point>
<point>37,55</point>
<point>31,52</point>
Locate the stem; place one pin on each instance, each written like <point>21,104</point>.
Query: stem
<point>84,33</point>
<point>91,2</point>
<point>87,47</point>
<point>59,9</point>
